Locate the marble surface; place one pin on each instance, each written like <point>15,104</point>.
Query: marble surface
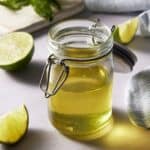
<point>23,87</point>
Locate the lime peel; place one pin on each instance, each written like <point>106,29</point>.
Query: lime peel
<point>124,33</point>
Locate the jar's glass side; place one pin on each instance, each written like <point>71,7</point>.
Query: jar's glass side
<point>83,105</point>
<point>80,39</point>
<point>82,108</point>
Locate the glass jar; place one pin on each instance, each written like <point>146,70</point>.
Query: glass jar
<point>79,78</point>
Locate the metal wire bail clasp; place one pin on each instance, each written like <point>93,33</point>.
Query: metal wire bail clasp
<point>46,76</point>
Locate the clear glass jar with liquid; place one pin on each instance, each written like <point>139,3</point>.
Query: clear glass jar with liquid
<point>79,78</point>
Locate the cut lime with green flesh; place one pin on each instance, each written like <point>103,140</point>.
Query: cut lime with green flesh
<point>14,125</point>
<point>16,50</point>
<point>124,33</point>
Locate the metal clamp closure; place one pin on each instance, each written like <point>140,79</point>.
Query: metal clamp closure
<point>46,75</point>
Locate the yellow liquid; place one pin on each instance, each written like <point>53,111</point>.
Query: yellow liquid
<point>82,107</point>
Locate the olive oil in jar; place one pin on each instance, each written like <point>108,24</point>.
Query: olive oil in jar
<point>77,78</point>
<point>82,107</point>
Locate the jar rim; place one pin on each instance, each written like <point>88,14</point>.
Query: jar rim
<point>80,23</point>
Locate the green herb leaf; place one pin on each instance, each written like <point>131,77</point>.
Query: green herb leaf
<point>14,4</point>
<point>43,8</point>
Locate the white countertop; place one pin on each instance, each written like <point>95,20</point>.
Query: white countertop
<point>23,87</point>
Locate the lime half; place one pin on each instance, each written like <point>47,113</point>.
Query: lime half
<point>124,33</point>
<point>16,50</point>
<point>14,125</point>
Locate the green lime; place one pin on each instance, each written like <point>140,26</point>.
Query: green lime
<point>14,125</point>
<point>124,33</point>
<point>16,50</point>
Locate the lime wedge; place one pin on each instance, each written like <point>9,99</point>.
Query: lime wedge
<point>14,125</point>
<point>124,33</point>
<point>16,50</point>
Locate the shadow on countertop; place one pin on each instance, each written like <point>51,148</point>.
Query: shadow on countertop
<point>124,136</point>
<point>37,139</point>
<point>34,140</point>
<point>29,75</point>
<point>141,44</point>
<point>41,32</point>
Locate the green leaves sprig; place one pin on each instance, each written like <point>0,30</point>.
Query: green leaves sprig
<point>43,8</point>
